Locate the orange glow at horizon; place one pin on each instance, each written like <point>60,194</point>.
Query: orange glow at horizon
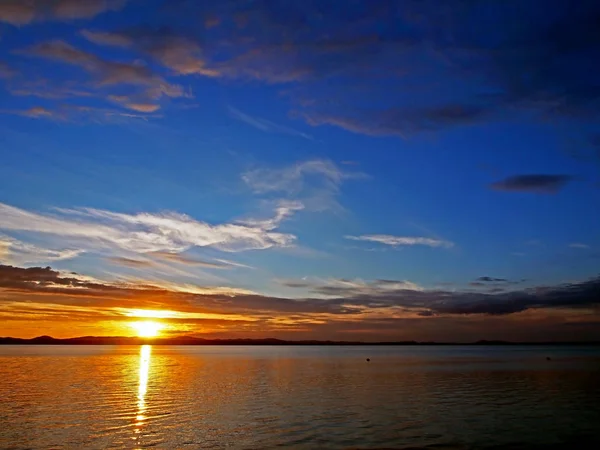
<point>151,313</point>
<point>147,328</point>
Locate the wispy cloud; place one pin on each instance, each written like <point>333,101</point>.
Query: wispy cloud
<point>48,92</point>
<point>539,184</point>
<point>83,114</point>
<point>182,259</point>
<point>107,38</point>
<point>400,122</point>
<point>397,241</point>
<point>340,287</point>
<point>579,245</point>
<point>264,124</point>
<point>130,262</point>
<point>37,112</point>
<point>17,252</point>
<point>315,182</point>
<point>146,233</point>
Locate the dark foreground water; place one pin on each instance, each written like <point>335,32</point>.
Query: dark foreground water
<point>299,397</point>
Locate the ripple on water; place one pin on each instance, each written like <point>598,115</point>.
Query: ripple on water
<point>132,397</point>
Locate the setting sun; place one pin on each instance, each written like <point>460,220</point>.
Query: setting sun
<point>147,328</point>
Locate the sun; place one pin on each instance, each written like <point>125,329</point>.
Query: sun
<point>147,328</point>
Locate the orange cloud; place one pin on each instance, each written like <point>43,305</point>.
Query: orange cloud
<point>23,12</point>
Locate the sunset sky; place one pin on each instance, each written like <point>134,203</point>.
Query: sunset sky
<point>324,169</point>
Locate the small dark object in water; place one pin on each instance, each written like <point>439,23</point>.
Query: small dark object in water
<point>547,358</point>
<point>368,360</point>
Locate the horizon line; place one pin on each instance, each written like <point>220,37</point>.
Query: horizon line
<point>193,340</point>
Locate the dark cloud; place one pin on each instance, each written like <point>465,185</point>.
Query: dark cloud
<point>413,66</point>
<point>492,280</point>
<point>401,121</point>
<point>495,290</point>
<point>46,280</point>
<point>496,301</point>
<point>494,285</point>
<point>540,184</point>
<point>375,67</point>
<point>344,300</point>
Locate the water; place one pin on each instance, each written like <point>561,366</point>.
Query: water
<point>298,397</point>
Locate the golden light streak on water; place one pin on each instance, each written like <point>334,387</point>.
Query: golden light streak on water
<point>145,356</point>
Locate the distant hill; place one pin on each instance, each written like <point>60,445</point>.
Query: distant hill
<point>190,340</point>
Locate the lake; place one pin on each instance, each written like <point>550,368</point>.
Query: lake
<point>463,397</point>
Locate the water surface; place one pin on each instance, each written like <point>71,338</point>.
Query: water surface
<point>298,397</point>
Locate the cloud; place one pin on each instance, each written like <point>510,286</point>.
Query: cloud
<point>492,280</point>
<point>76,9</point>
<point>17,12</point>
<point>178,53</point>
<point>396,241</point>
<point>110,77</point>
<point>579,245</point>
<point>539,184</point>
<point>107,73</point>
<point>82,114</point>
<point>384,68</point>
<point>129,262</point>
<point>42,90</point>
<point>340,287</point>
<point>264,124</point>
<point>23,12</point>
<point>107,38</point>
<point>338,299</point>
<point>142,107</point>
<point>18,252</point>
<point>6,71</point>
<point>390,294</point>
<point>128,103</point>
<point>36,112</point>
<point>292,179</point>
<point>316,183</point>
<point>146,233</point>
<point>494,285</point>
<point>182,259</point>
<point>400,122</point>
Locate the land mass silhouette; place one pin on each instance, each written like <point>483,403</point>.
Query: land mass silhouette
<point>191,340</point>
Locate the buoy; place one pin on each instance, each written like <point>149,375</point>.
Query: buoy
<point>368,360</point>
<point>547,358</point>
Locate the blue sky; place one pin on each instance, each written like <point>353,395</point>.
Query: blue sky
<point>276,148</point>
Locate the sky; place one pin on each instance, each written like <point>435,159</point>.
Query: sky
<point>318,169</point>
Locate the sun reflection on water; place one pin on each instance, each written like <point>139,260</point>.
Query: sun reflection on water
<point>145,354</point>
